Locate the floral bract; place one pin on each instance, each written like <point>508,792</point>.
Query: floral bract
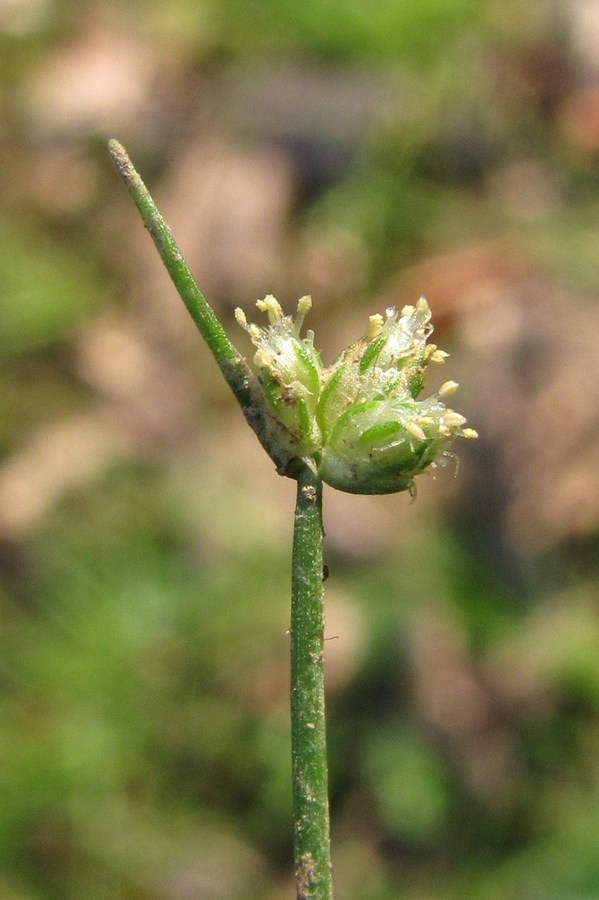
<point>359,420</point>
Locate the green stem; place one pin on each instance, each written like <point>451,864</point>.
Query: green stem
<point>230,362</point>
<point>239,377</point>
<point>308,739</point>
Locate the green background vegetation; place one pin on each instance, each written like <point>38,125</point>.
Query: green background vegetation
<point>366,154</point>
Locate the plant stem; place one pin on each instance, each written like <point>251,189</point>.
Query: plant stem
<point>230,362</point>
<point>239,377</point>
<point>308,739</point>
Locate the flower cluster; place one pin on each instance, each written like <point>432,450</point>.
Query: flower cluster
<point>360,420</point>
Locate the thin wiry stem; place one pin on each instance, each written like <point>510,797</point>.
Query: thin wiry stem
<point>233,366</point>
<point>308,738</point>
<point>210,328</point>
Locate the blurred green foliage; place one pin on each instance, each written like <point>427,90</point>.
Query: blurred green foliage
<point>45,292</point>
<point>354,31</point>
<point>144,749</point>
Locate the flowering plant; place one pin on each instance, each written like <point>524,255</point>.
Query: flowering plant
<point>360,427</point>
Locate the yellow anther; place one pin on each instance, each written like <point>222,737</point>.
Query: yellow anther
<point>375,324</point>
<point>453,419</point>
<point>416,431</point>
<point>304,304</point>
<point>272,307</point>
<point>263,358</point>
<point>448,388</point>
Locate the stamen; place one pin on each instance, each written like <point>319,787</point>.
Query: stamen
<point>448,388</point>
<point>375,325</point>
<point>453,419</point>
<point>304,304</point>
<point>272,307</point>
<point>416,431</point>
